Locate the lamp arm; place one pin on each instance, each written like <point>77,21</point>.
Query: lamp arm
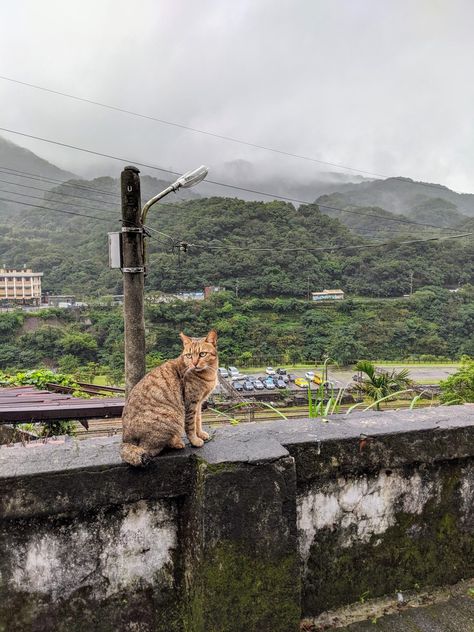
<point>156,198</point>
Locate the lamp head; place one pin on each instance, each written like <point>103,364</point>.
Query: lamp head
<point>191,178</point>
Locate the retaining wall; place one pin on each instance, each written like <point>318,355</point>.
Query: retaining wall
<point>265,525</point>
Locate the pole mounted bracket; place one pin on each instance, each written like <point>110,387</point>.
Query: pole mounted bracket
<point>132,229</point>
<point>134,270</point>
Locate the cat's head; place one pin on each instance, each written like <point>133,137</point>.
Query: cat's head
<point>200,353</point>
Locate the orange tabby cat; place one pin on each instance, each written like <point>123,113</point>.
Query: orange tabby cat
<point>167,402</point>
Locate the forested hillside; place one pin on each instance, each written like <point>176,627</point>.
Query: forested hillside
<point>432,324</point>
<point>265,248</point>
<point>269,249</point>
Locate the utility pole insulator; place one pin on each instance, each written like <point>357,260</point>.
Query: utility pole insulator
<point>133,278</point>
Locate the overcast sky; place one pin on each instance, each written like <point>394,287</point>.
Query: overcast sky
<point>382,86</point>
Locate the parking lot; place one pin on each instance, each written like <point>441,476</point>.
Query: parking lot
<point>251,383</point>
<point>273,379</point>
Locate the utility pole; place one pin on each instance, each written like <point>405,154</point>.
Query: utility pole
<point>133,277</point>
<point>411,282</point>
<point>237,289</point>
<point>308,296</point>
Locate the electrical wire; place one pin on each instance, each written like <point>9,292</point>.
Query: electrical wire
<point>50,191</point>
<point>330,248</point>
<point>221,184</point>
<point>56,210</point>
<point>37,176</point>
<point>38,197</point>
<point>216,135</point>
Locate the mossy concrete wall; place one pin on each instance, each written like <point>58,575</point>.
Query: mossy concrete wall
<point>266,524</point>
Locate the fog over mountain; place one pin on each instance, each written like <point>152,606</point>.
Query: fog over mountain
<point>383,87</point>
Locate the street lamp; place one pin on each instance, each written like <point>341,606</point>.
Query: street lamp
<point>187,180</point>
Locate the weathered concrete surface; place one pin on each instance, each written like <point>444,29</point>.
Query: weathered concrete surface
<point>221,539</point>
<point>455,615</point>
<point>368,613</point>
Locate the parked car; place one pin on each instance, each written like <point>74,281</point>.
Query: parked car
<point>281,371</point>
<point>280,383</point>
<point>285,378</point>
<point>223,372</point>
<point>357,377</point>
<point>258,385</point>
<point>300,381</point>
<point>269,384</point>
<point>238,386</point>
<point>291,377</point>
<point>313,377</point>
<point>248,385</point>
<point>233,371</point>
<point>270,370</point>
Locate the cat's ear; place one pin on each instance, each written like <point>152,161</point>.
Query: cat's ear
<point>186,339</point>
<point>212,337</point>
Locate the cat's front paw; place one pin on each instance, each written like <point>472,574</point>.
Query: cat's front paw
<point>196,441</point>
<point>203,435</point>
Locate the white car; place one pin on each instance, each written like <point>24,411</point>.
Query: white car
<point>309,375</point>
<point>223,372</point>
<point>270,370</point>
<point>233,371</point>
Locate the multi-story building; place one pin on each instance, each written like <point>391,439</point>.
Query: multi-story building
<point>22,286</point>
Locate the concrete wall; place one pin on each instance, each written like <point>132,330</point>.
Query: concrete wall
<point>266,524</point>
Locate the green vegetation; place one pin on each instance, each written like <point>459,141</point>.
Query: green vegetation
<point>380,385</point>
<point>459,388</point>
<point>73,253</point>
<point>88,343</point>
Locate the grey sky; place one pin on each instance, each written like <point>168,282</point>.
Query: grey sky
<point>384,86</point>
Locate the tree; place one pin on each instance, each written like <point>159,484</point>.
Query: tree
<point>459,388</point>
<point>345,345</point>
<point>81,345</point>
<point>379,384</point>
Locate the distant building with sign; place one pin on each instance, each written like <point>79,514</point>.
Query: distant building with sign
<point>20,286</point>
<point>328,295</point>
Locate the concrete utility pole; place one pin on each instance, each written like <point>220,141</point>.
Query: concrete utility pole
<point>411,281</point>
<point>133,264</point>
<point>133,278</point>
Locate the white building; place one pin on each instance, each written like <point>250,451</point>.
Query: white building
<point>328,295</point>
<point>20,285</point>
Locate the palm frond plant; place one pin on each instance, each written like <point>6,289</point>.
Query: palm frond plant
<point>380,385</point>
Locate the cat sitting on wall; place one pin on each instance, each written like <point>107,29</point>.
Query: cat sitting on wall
<point>167,402</point>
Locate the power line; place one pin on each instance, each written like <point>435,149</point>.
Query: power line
<point>63,183</point>
<point>56,210</point>
<point>221,184</point>
<point>66,195</point>
<point>216,135</point>
<point>37,197</point>
<point>329,248</point>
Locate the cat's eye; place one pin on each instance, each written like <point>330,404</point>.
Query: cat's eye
<point>188,355</point>
<point>202,354</point>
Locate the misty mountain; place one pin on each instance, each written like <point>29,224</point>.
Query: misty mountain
<point>296,186</point>
<point>41,183</point>
<point>403,195</point>
<point>417,201</point>
<point>374,221</point>
<point>13,157</point>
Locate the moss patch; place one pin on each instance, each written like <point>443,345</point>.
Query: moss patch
<point>419,550</point>
<point>236,591</point>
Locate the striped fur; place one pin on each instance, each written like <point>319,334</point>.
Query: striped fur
<point>166,403</point>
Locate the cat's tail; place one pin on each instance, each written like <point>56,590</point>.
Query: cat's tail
<point>133,454</point>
